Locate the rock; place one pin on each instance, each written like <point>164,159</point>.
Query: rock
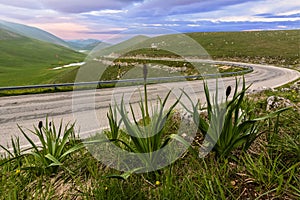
<point>296,86</point>
<point>274,102</point>
<point>260,89</point>
<point>285,89</point>
<point>268,89</point>
<point>185,116</point>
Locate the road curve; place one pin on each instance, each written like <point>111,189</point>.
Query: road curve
<point>28,110</point>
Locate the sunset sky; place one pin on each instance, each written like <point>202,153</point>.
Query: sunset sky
<point>99,19</point>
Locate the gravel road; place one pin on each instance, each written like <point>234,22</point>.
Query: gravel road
<point>89,108</point>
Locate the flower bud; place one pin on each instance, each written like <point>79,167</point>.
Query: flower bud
<point>40,124</point>
<point>145,71</point>
<point>228,91</point>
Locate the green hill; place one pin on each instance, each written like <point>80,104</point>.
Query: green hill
<point>121,47</point>
<point>88,44</point>
<point>274,47</point>
<point>6,35</point>
<point>25,61</point>
<point>32,32</point>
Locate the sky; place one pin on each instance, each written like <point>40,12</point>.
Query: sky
<point>100,19</point>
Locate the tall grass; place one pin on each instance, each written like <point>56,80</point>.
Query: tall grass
<point>55,145</point>
<point>227,126</point>
<point>270,173</point>
<point>145,136</point>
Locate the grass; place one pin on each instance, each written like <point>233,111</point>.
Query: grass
<point>19,57</point>
<point>25,61</point>
<point>132,68</point>
<point>264,47</point>
<point>120,47</point>
<point>268,47</point>
<point>229,126</point>
<point>34,67</point>
<point>264,171</point>
<point>57,143</point>
<point>254,176</point>
<point>274,47</point>
<point>268,169</point>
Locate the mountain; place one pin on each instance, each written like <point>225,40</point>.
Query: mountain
<point>88,44</point>
<point>122,47</point>
<point>6,35</point>
<point>275,47</point>
<point>32,32</point>
<point>27,61</point>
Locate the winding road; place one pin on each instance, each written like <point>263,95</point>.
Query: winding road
<point>89,108</point>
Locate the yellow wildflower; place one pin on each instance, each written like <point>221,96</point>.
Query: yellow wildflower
<point>157,183</point>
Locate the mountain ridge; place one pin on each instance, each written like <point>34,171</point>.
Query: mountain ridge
<point>84,44</point>
<point>32,32</point>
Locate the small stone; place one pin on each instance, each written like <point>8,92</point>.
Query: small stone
<point>285,89</point>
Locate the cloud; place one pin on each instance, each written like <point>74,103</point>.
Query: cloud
<point>280,16</point>
<point>99,18</point>
<point>32,4</point>
<point>107,31</point>
<point>261,11</point>
<point>176,7</point>
<point>19,14</point>
<point>290,13</point>
<point>105,12</point>
<point>79,6</point>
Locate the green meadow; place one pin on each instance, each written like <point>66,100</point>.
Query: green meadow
<point>255,157</point>
<point>256,153</point>
<point>25,61</point>
<point>265,47</point>
<point>272,47</point>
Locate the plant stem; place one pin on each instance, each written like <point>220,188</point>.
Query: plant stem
<point>146,100</point>
<point>145,73</point>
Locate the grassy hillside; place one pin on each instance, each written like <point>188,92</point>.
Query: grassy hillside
<point>281,47</point>
<point>265,47</point>
<point>88,44</point>
<point>275,47</point>
<point>122,47</point>
<point>32,32</point>
<point>6,35</point>
<point>25,61</point>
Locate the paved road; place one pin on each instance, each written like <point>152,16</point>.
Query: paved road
<point>89,108</point>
